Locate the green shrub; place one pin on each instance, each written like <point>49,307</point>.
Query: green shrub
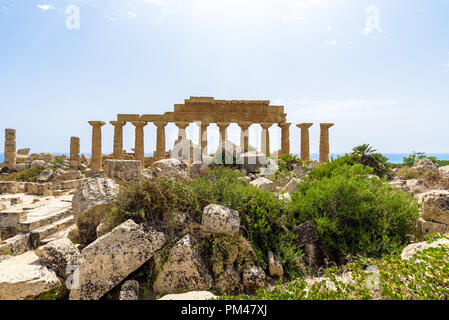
<point>325,170</point>
<point>355,214</point>
<point>27,175</point>
<point>423,277</point>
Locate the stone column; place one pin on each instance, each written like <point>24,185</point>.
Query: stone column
<point>244,135</point>
<point>305,147</point>
<point>118,139</point>
<point>96,163</point>
<point>324,142</point>
<point>285,138</point>
<point>75,159</point>
<point>10,148</point>
<point>160,142</point>
<point>203,137</point>
<point>139,149</point>
<point>223,126</point>
<point>265,137</point>
<point>182,135</point>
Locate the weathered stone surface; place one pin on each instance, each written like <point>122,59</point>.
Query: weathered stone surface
<point>192,295</point>
<point>425,165</point>
<point>253,278</point>
<point>22,166</point>
<point>400,184</point>
<point>8,187</point>
<point>435,206</point>
<point>90,202</point>
<point>39,164</point>
<point>112,257</point>
<point>129,290</point>
<point>84,159</point>
<point>263,184</point>
<point>306,233</point>
<point>23,151</point>
<point>221,219</point>
<point>24,277</point>
<point>184,270</point>
<point>59,255</point>
<point>45,176</point>
<point>122,170</point>
<point>429,227</point>
<point>444,170</point>
<point>411,249</point>
<point>274,265</point>
<point>292,185</point>
<point>169,168</point>
<point>416,186</point>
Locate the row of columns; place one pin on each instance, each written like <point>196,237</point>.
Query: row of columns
<point>96,162</point>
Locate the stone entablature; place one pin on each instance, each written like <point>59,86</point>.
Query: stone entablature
<point>203,111</point>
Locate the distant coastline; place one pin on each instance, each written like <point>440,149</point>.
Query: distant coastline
<point>392,157</point>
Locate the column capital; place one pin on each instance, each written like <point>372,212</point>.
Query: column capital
<point>161,124</point>
<point>223,124</point>
<point>326,125</point>
<point>182,125</point>
<point>117,123</point>
<point>304,125</point>
<point>284,125</point>
<point>244,124</point>
<point>203,124</point>
<point>266,125</point>
<point>97,123</point>
<point>139,124</point>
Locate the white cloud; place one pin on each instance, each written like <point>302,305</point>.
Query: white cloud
<point>45,7</point>
<point>132,14</point>
<point>158,20</point>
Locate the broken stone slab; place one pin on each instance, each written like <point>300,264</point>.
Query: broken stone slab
<point>122,170</point>
<point>23,151</point>
<point>112,257</point>
<point>89,203</point>
<point>292,185</point>
<point>8,187</point>
<point>24,277</point>
<point>169,168</point>
<point>184,270</point>
<point>61,256</point>
<point>263,184</point>
<point>218,219</point>
<point>130,290</point>
<point>45,176</point>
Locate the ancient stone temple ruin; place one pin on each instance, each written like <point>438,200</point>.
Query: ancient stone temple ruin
<point>204,111</point>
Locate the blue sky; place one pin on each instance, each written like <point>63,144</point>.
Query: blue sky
<point>387,85</point>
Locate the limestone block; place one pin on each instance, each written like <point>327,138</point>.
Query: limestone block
<point>183,271</point>
<point>253,278</point>
<point>59,255</point>
<point>129,290</point>
<point>218,219</point>
<point>24,277</point>
<point>274,265</point>
<point>112,257</point>
<point>23,152</point>
<point>8,187</point>
<point>292,185</point>
<point>435,206</point>
<point>169,168</point>
<point>90,202</point>
<point>122,170</point>
<point>263,184</point>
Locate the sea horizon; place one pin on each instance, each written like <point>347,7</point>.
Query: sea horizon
<point>394,158</point>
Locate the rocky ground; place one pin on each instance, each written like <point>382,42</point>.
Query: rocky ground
<point>57,244</point>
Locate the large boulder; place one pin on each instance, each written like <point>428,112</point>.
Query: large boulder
<point>425,165</point>
<point>61,256</point>
<point>45,176</point>
<point>218,219</point>
<point>435,206</point>
<point>184,270</point>
<point>112,257</point>
<point>444,170</point>
<point>169,168</point>
<point>122,170</point>
<point>24,151</point>
<point>89,203</point>
<point>40,164</point>
<point>292,185</point>
<point>412,249</point>
<point>263,184</point>
<point>23,277</point>
<point>416,186</point>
